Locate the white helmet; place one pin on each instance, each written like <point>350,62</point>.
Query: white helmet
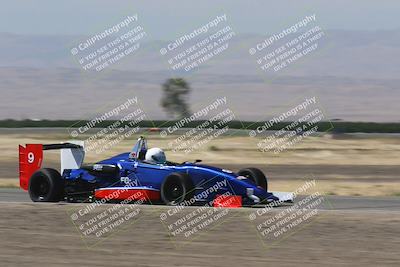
<point>155,155</point>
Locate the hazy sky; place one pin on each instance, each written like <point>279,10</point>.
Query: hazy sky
<point>165,19</point>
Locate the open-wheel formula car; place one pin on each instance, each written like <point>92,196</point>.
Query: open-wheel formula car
<point>140,174</point>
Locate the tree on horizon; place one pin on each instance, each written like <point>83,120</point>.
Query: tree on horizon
<point>174,99</point>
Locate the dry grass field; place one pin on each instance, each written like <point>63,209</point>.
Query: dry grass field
<point>346,165</point>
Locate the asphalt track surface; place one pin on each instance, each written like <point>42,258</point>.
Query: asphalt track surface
<point>14,195</point>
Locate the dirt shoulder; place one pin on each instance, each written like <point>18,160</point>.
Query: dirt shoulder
<point>38,235</point>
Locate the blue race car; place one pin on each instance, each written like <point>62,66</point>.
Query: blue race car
<point>136,175</point>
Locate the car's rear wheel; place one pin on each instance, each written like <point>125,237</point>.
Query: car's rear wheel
<point>176,188</point>
<point>256,176</point>
<point>46,185</point>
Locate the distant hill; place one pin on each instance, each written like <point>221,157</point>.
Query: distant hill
<point>354,74</point>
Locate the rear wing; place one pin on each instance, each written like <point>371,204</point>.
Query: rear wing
<point>31,158</point>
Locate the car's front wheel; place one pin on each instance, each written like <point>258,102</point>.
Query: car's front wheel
<point>256,176</point>
<point>46,185</point>
<point>177,188</point>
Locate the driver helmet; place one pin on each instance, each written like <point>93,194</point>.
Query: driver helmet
<point>155,155</point>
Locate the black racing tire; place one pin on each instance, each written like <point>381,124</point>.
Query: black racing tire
<point>46,185</point>
<point>176,188</point>
<point>256,176</point>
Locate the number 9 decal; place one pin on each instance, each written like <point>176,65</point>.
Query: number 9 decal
<point>31,157</point>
